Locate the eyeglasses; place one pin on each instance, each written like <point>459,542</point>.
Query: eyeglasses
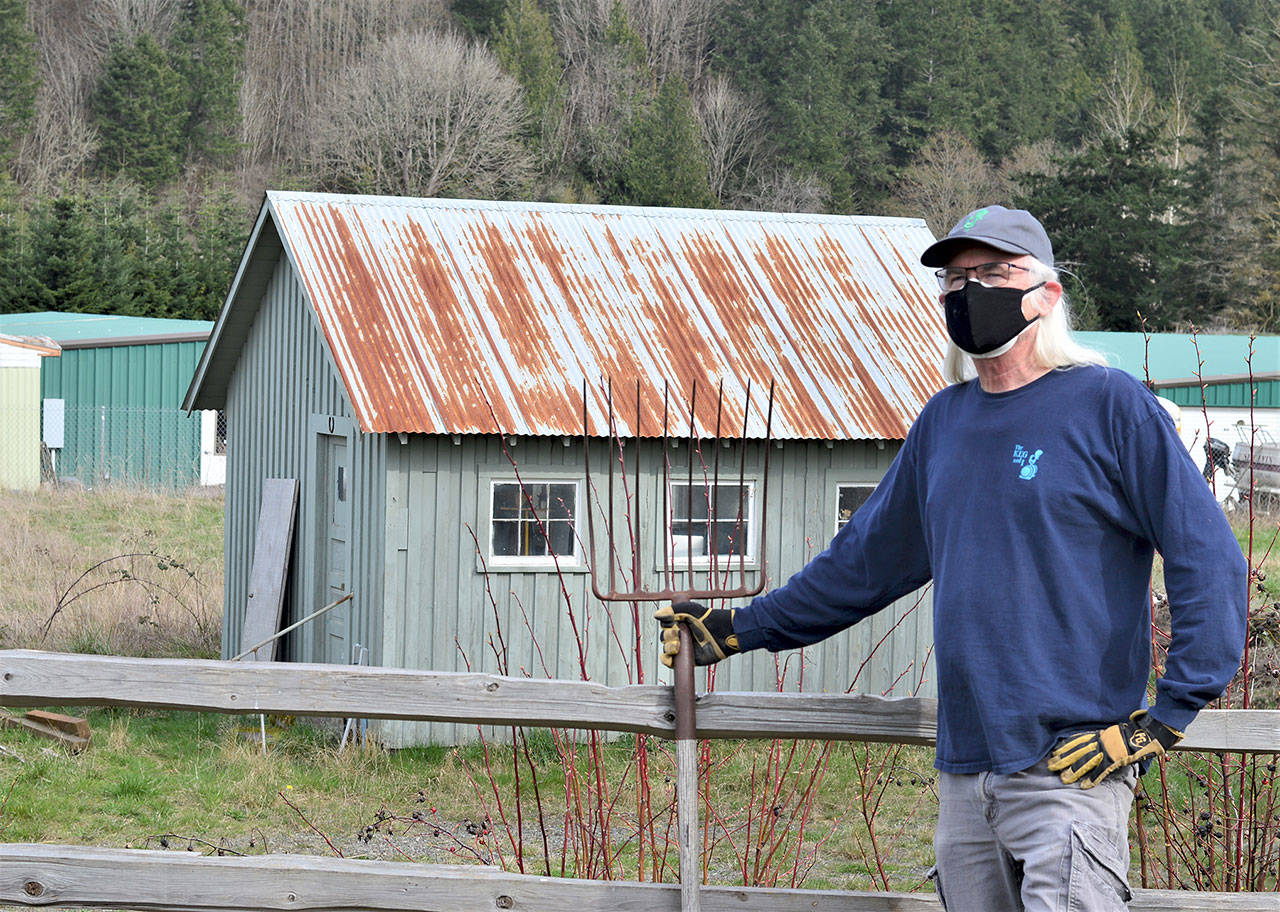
<point>992,275</point>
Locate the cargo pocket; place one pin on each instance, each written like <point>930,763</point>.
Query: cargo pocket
<point>1099,878</point>
<point>937,885</point>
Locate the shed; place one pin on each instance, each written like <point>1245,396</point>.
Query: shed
<point>120,381</point>
<point>1233,381</point>
<point>20,358</point>
<point>419,365</point>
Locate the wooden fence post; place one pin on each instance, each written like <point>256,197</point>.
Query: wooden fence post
<point>687,776</point>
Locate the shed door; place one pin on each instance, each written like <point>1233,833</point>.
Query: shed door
<point>334,577</point>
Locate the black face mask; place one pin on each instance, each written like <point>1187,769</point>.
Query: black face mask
<point>981,319</point>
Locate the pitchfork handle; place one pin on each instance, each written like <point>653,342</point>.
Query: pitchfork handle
<point>687,775</point>
<point>686,699</point>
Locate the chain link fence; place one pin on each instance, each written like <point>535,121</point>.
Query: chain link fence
<point>150,446</point>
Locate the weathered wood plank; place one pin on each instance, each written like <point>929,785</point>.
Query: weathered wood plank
<point>271,551</point>
<point>33,723</point>
<point>851,717</point>
<point>30,678</point>
<point>1250,730</point>
<point>48,875</point>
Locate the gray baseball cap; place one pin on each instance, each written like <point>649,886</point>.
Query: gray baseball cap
<point>1008,230</point>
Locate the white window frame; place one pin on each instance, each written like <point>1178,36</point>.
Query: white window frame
<point>678,560</point>
<point>869,485</point>
<point>538,561</point>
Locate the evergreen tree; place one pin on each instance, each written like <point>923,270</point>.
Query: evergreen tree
<point>817,64</point>
<point>1257,99</point>
<point>20,289</point>
<point>209,56</point>
<point>478,17</point>
<point>1122,222</point>
<point>18,77</point>
<point>140,111</point>
<point>664,164</point>
<point>624,87</point>
<point>1224,191</point>
<point>526,50</point>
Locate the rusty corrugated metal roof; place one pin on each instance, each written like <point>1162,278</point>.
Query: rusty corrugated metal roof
<point>470,317</point>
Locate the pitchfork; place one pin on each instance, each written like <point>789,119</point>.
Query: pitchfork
<point>685,698</point>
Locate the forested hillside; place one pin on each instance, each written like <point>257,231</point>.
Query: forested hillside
<point>137,136</point>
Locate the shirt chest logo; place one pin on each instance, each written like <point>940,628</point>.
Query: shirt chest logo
<point>1027,460</point>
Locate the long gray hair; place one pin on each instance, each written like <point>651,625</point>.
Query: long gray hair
<point>1055,346</point>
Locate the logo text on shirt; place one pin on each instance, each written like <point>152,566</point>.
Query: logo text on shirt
<point>1027,460</point>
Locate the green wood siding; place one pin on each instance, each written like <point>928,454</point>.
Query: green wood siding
<point>443,612</point>
<point>282,386</point>
<point>124,420</point>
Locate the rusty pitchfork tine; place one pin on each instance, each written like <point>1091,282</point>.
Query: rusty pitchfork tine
<point>668,592</point>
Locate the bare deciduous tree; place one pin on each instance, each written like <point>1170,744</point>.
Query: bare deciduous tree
<point>71,50</point>
<point>676,34</point>
<point>61,141</point>
<point>947,179</point>
<point>601,79</point>
<point>1035,158</point>
<point>129,20</point>
<point>733,132</point>
<point>293,48</point>
<point>1126,102</point>
<point>783,189</point>
<point>422,114</point>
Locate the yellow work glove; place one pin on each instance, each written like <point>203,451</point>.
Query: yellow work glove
<point>1090,757</point>
<point>710,628</point>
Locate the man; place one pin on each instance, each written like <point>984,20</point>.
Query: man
<point>1033,491</point>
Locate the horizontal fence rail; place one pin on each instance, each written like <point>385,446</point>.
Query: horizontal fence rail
<point>50,875</point>
<point>43,875</point>
<point>32,678</point>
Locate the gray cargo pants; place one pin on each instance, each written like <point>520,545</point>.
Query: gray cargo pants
<point>1028,843</point>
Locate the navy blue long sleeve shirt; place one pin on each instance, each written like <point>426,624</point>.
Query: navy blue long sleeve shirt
<point>1036,512</point>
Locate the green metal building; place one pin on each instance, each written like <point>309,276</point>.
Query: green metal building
<point>121,381</point>
<point>1233,381</point>
<point>420,367</point>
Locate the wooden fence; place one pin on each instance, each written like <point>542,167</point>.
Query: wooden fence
<point>50,875</point>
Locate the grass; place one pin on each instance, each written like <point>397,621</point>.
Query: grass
<point>201,782</point>
<point>119,570</point>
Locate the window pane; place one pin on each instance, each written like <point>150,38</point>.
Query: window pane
<point>562,542</point>
<point>504,539</point>
<point>848,499</point>
<point>535,494</point>
<point>691,528</point>
<point>563,501</point>
<point>525,514</point>
<point>506,501</point>
<point>689,501</point>
<point>731,538</point>
<point>532,544</point>
<point>688,540</point>
<point>731,501</point>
